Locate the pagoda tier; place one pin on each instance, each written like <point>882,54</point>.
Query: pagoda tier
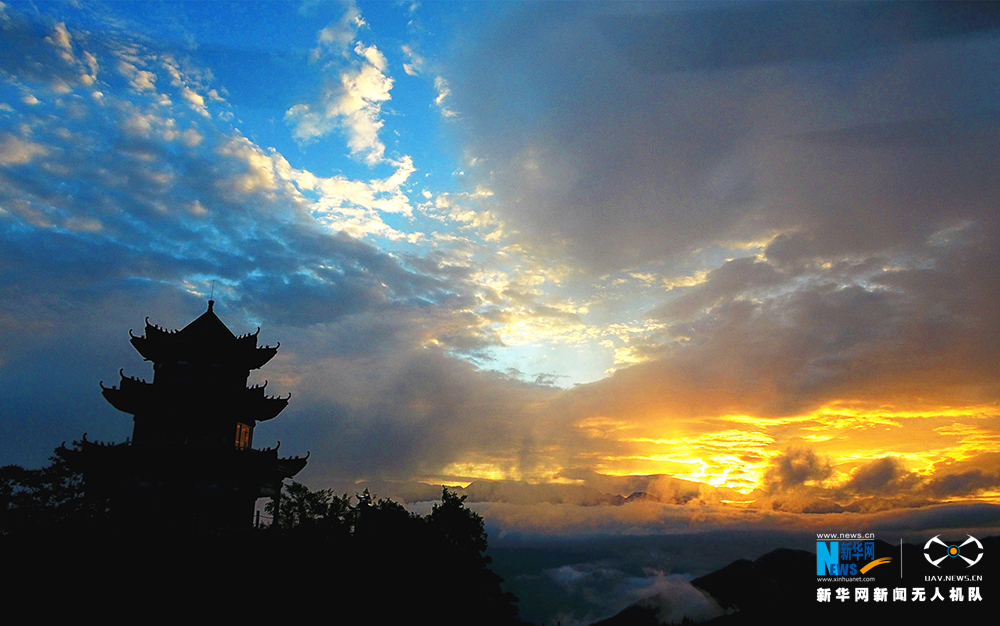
<point>139,397</point>
<point>193,429</point>
<point>147,484</point>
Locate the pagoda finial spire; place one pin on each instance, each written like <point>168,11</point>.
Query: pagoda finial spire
<point>211,303</point>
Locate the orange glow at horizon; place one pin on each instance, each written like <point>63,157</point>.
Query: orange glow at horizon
<point>735,452</point>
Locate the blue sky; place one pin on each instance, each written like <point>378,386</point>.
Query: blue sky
<point>613,246</point>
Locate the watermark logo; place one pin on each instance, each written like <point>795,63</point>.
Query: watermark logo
<point>936,551</point>
<point>846,558</point>
<point>843,561</point>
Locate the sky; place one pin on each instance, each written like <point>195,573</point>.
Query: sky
<point>740,257</point>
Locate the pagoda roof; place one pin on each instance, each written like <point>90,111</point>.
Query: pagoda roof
<point>288,467</point>
<point>207,331</point>
<point>124,458</point>
<point>135,396</point>
<point>207,327</point>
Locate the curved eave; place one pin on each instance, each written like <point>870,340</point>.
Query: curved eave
<point>123,401</point>
<point>147,348</point>
<point>95,460</point>
<point>256,393</point>
<point>155,332</point>
<point>266,408</point>
<point>131,396</point>
<point>249,340</point>
<point>291,466</point>
<point>257,357</point>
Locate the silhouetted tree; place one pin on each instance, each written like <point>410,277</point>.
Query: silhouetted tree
<point>37,500</point>
<point>396,564</point>
<point>384,563</point>
<point>461,528</point>
<point>315,513</point>
<point>464,566</point>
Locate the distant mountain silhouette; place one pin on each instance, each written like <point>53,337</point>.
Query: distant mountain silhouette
<point>643,613</point>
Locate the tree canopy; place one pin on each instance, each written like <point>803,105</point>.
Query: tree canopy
<point>389,552</point>
<point>370,557</point>
<point>41,500</point>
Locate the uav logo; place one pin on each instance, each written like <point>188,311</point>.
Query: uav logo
<point>952,551</point>
<point>844,558</point>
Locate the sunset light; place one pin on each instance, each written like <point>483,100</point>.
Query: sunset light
<point>608,269</point>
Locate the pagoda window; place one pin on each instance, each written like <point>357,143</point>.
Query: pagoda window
<point>243,436</point>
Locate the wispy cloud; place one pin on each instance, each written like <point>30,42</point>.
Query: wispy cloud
<point>443,91</point>
<point>415,63</point>
<point>351,101</point>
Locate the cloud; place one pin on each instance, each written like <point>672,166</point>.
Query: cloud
<point>141,80</point>
<point>777,251</point>
<point>86,67</point>
<point>764,339</point>
<point>351,101</point>
<point>337,37</point>
<point>416,62</point>
<point>965,483</point>
<point>712,38</point>
<point>886,476</point>
<point>742,277</point>
<point>138,202</point>
<point>16,151</point>
<point>979,515</point>
<point>512,522</point>
<point>146,202</point>
<point>57,59</point>
<point>443,92</point>
<point>526,493</point>
<point>675,600</point>
<point>980,472</point>
<point>882,484</point>
<point>388,412</point>
<point>629,156</point>
<point>796,467</point>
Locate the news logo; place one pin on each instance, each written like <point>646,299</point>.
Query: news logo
<point>941,551</point>
<point>846,558</point>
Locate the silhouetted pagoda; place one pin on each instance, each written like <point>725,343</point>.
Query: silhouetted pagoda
<point>190,463</point>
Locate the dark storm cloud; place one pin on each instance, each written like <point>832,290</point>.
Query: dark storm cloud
<point>579,144</point>
<point>588,148</point>
<point>707,37</point>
